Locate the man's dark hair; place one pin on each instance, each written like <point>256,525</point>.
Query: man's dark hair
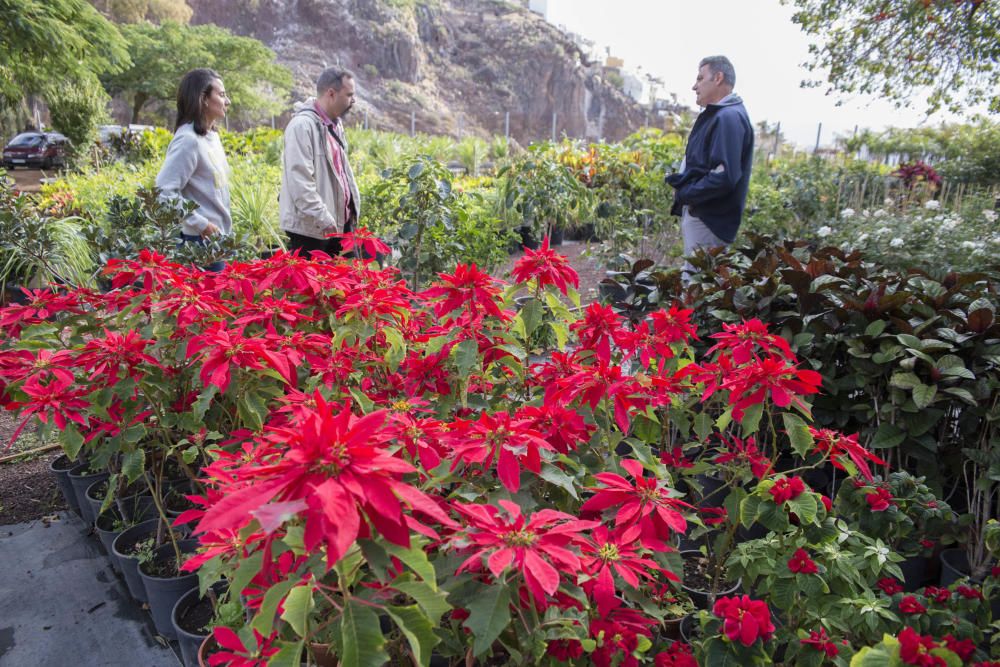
<point>195,86</point>
<point>332,77</point>
<point>718,64</point>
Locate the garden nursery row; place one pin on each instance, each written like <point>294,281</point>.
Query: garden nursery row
<point>792,459</point>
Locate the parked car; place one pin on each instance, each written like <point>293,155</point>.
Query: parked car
<point>106,132</point>
<point>36,149</point>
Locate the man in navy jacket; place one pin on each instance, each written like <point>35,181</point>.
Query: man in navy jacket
<point>711,187</point>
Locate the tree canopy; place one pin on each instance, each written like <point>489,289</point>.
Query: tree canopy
<point>161,54</point>
<point>47,43</point>
<point>900,48</point>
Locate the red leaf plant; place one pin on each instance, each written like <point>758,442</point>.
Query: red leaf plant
<point>646,502</point>
<point>539,547</point>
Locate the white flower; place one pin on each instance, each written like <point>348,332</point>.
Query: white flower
<point>991,216</point>
<point>932,204</point>
<point>824,231</point>
<point>847,213</point>
<point>897,242</point>
<point>863,238</point>
<point>881,230</point>
<point>887,201</point>
<point>866,213</point>
<point>968,245</point>
<point>949,224</point>
<point>881,213</point>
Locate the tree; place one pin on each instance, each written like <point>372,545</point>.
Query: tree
<point>133,11</point>
<point>77,111</point>
<point>899,48</point>
<point>161,54</point>
<point>47,43</point>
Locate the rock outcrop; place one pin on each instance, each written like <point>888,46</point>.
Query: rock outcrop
<point>449,66</point>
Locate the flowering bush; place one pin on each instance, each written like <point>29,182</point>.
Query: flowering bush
<point>388,474</point>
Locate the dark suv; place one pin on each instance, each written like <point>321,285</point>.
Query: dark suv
<point>35,149</point>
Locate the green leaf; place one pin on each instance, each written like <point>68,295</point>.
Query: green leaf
<point>887,436</point>
<point>805,508</point>
<point>904,380</point>
<point>748,510</point>
<point>923,395</point>
<point>466,355</point>
<point>397,348</point>
<point>703,425</point>
<point>531,314</point>
<point>416,559</point>
<point>263,622</point>
<point>963,394</point>
<point>751,418</point>
<point>133,463</point>
<point>245,571</point>
<point>418,630</point>
<point>290,655</point>
<point>798,433</point>
<point>72,441</point>
<point>554,475</point>
<point>204,401</point>
<point>489,614</point>
<point>361,637</point>
<point>875,328</point>
<point>432,601</point>
<point>297,606</point>
<point>253,411</point>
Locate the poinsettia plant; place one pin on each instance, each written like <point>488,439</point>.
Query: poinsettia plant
<point>385,474</point>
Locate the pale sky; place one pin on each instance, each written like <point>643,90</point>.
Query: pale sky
<point>668,38</point>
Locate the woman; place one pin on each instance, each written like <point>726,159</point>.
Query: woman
<point>196,168</point>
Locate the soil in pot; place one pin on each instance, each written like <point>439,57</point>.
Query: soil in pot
<point>124,547</point>
<point>165,585</point>
<point>698,580</point>
<point>191,618</point>
<point>175,503</point>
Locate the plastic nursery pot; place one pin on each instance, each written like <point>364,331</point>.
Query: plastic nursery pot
<point>107,526</point>
<point>190,615</point>
<point>60,467</point>
<point>163,591</point>
<point>81,478</point>
<point>128,562</point>
<point>954,566</point>
<point>704,599</point>
<point>137,506</point>
<point>914,572</point>
<point>95,494</point>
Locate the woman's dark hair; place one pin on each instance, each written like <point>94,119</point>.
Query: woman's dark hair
<point>194,86</point>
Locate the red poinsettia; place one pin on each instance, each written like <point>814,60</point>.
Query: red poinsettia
<point>546,267</point>
<point>499,438</point>
<point>879,501</point>
<point>371,245</point>
<point>655,336</point>
<point>821,642</point>
<point>538,547</point>
<point>221,348</point>
<point>475,292</point>
<point>115,355</point>
<point>963,648</point>
<point>844,448</point>
<point>772,377</point>
<point>786,489</point>
<point>236,654</point>
<point>616,552</point>
<point>745,452</point>
<point>602,381</point>
<point>743,619</point>
<point>599,328</point>
<point>50,396</point>
<point>910,605</point>
<point>647,502</point>
<point>335,462</point>
<point>741,341</point>
<point>890,586</point>
<point>561,427</point>
<point>678,654</point>
<point>915,649</point>
<point>801,563</point>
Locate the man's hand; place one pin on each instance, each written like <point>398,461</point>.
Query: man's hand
<point>210,230</point>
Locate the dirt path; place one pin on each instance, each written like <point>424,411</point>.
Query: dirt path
<point>28,180</point>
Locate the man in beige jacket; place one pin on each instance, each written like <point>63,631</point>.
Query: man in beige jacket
<point>318,194</point>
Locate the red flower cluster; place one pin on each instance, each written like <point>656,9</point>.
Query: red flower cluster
<point>678,655</point>
<point>879,501</point>
<point>546,267</point>
<point>744,620</point>
<point>786,489</point>
<point>910,605</point>
<point>821,642</point>
<point>801,563</point>
<point>890,586</point>
<point>915,649</point>
<point>843,449</point>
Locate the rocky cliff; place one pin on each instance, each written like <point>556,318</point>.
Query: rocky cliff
<point>458,66</point>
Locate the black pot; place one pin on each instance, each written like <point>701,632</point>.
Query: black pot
<point>60,467</point>
<point>556,236</point>
<point>914,572</point>
<point>188,641</point>
<point>528,239</point>
<point>137,506</point>
<point>184,489</point>
<point>954,566</point>
<point>81,479</point>
<point>128,563</point>
<point>162,593</point>
<point>95,496</point>
<point>106,531</point>
<point>706,599</point>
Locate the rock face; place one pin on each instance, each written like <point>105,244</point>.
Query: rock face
<point>449,66</point>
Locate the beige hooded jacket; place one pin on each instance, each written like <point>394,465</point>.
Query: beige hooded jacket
<point>309,187</point>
